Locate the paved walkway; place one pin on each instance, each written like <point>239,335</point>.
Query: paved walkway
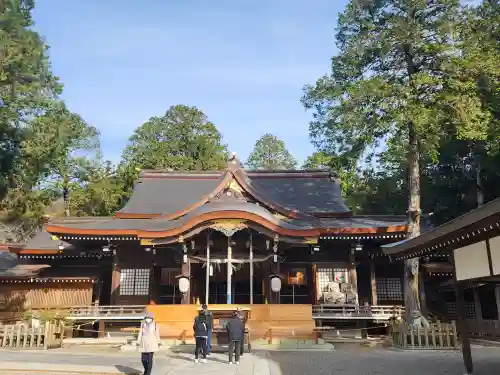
<point>179,364</point>
<point>342,361</point>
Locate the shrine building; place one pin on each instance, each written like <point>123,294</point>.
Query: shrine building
<point>227,234</point>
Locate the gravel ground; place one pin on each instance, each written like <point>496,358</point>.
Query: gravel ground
<point>383,362</point>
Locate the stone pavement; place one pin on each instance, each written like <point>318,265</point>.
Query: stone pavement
<point>342,361</point>
<point>178,363</point>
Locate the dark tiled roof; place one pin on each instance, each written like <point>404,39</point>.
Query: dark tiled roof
<point>302,191</point>
<point>303,200</point>
<point>164,193</point>
<point>11,267</point>
<point>161,224</point>
<point>316,194</point>
<point>43,241</point>
<point>362,222</point>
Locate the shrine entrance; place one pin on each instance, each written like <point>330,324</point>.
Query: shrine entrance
<point>240,285</point>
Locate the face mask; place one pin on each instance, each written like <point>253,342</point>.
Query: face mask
<point>148,320</point>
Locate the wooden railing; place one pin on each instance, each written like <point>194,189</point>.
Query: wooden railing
<point>484,329</point>
<point>45,336</point>
<point>101,312</point>
<point>322,312</point>
<point>437,336</point>
<point>319,312</point>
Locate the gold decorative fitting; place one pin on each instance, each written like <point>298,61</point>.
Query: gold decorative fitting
<point>311,240</point>
<point>234,185</point>
<point>279,216</point>
<point>146,242</point>
<point>228,227</point>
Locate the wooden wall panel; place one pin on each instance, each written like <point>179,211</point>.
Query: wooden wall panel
<point>35,296</point>
<point>175,321</point>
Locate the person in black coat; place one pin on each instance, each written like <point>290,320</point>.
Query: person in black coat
<point>236,332</point>
<point>200,329</point>
<point>210,324</point>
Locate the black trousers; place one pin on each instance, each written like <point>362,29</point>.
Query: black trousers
<point>147,362</point>
<point>234,346</point>
<point>201,346</point>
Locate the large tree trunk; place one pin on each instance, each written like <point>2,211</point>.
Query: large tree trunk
<point>413,313</point>
<point>479,184</point>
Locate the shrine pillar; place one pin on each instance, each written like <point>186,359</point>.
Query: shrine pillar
<point>353,274</point>
<point>115,280</point>
<point>229,271</point>
<point>373,283</point>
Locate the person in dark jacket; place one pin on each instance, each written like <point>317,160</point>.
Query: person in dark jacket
<point>235,328</point>
<point>200,329</point>
<point>210,325</point>
<point>242,346</point>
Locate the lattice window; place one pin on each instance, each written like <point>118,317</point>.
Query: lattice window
<point>327,275</point>
<point>134,282</point>
<point>470,310</point>
<point>389,289</point>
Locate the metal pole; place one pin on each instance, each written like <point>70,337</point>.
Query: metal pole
<point>229,269</point>
<point>251,269</point>
<point>207,279</point>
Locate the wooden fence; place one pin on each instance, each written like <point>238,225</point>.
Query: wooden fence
<point>47,335</point>
<point>484,329</point>
<point>437,336</point>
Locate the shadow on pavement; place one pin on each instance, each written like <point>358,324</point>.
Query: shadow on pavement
<point>182,356</point>
<point>127,370</point>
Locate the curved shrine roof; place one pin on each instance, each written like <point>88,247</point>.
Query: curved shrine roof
<point>290,203</point>
<point>172,193</point>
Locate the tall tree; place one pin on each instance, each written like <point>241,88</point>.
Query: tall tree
<point>27,85</point>
<point>270,152</point>
<point>56,148</point>
<point>391,82</point>
<point>181,139</point>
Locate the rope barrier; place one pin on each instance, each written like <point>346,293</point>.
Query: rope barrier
<point>319,329</point>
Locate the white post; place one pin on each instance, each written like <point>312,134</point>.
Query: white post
<point>229,270</point>
<point>207,279</point>
<point>251,269</point>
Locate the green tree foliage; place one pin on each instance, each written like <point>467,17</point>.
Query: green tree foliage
<point>396,79</point>
<point>182,139</point>
<point>27,86</point>
<point>318,160</point>
<point>54,153</point>
<point>271,153</point>
<point>98,192</point>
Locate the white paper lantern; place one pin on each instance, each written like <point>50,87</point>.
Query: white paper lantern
<point>275,284</point>
<point>183,284</point>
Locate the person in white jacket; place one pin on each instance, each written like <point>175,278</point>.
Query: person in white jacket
<point>148,342</point>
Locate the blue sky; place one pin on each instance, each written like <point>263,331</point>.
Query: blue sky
<point>243,63</point>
